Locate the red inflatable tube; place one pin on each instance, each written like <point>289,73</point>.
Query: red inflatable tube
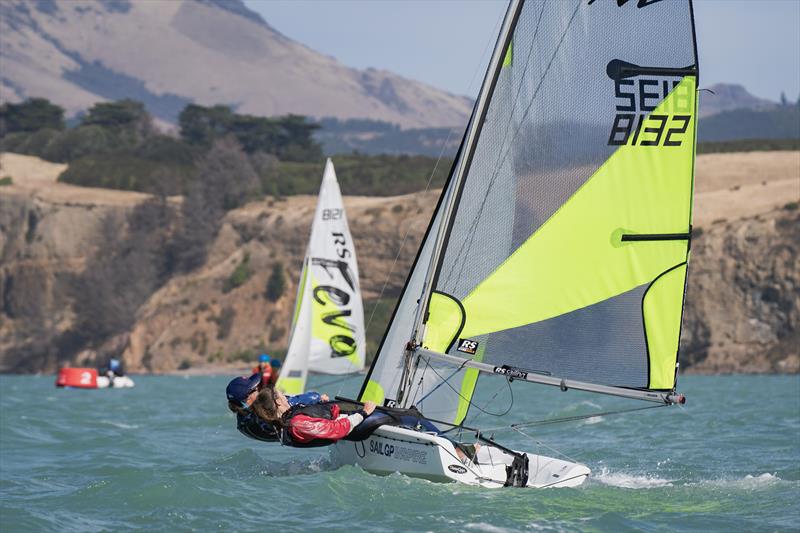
<point>84,378</point>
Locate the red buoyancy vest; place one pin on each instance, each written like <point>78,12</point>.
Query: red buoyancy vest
<point>266,373</point>
<point>310,426</point>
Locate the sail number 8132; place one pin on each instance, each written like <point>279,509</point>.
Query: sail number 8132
<point>648,130</point>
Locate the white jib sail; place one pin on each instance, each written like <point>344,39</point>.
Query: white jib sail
<point>328,326</point>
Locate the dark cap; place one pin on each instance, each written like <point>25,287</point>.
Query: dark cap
<point>240,388</point>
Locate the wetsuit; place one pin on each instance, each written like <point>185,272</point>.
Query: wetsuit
<point>251,426</point>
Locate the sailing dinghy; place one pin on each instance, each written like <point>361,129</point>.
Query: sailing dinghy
<point>327,333</point>
<point>558,252</point>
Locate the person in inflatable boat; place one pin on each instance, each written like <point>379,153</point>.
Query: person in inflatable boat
<point>111,370</point>
<point>242,392</point>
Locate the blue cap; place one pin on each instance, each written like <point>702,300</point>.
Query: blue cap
<point>113,364</point>
<point>275,363</point>
<point>240,388</point>
<point>263,358</point>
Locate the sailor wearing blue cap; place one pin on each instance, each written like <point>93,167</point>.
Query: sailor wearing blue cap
<point>242,392</point>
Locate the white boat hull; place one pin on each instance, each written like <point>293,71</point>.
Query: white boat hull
<point>393,449</point>
<point>120,382</point>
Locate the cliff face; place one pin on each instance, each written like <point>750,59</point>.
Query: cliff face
<point>743,297</point>
<point>194,320</point>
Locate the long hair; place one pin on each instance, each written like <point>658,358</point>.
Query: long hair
<point>266,407</point>
<point>235,407</point>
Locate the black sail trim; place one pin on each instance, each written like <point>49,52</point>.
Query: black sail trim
<point>463,318</point>
<point>636,237</point>
<point>620,70</point>
<point>644,322</point>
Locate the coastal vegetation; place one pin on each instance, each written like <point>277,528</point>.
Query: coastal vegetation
<point>116,145</point>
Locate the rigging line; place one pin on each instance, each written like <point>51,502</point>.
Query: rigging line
<point>502,159</point>
<point>474,224</point>
<point>542,444</point>
<point>548,421</point>
<point>469,401</point>
<point>510,391</point>
<point>427,186</point>
<point>419,383</point>
<point>456,371</point>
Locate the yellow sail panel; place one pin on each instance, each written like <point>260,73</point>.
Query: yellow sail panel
<point>373,392</point>
<point>300,292</point>
<point>330,323</point>
<point>508,59</point>
<point>444,323</point>
<point>663,303</point>
<point>291,386</point>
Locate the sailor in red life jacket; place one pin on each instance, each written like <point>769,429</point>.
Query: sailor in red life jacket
<point>307,426</point>
<point>264,368</point>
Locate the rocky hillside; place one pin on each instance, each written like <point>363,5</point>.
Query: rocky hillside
<point>743,310</point>
<point>170,53</point>
<point>729,96</point>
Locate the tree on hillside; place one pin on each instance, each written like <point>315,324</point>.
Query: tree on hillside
<point>290,137</point>
<point>276,283</point>
<point>202,125</point>
<point>224,180</point>
<point>297,142</point>
<point>127,117</point>
<point>256,134</point>
<point>784,101</point>
<point>33,114</point>
<point>129,266</point>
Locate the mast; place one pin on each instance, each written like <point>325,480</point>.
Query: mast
<point>475,124</point>
<point>470,141</point>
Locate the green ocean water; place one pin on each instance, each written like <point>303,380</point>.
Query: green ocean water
<point>165,456</point>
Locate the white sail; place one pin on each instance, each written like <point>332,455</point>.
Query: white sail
<point>328,324</point>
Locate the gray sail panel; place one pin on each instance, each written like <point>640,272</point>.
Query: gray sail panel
<point>567,345</point>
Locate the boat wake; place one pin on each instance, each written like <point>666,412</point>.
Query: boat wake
<point>630,481</point>
<point>119,425</point>
<point>748,482</point>
<point>645,481</point>
<point>248,464</point>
